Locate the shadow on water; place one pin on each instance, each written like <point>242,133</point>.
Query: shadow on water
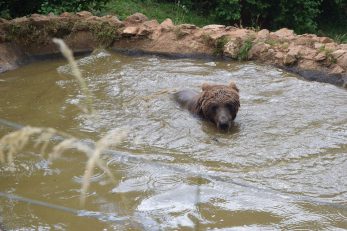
<point>282,165</point>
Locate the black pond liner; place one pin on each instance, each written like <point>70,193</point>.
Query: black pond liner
<point>319,76</point>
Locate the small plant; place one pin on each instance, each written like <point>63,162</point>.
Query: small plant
<point>330,57</point>
<point>181,12</point>
<point>104,33</point>
<point>341,38</point>
<point>26,34</point>
<point>243,52</point>
<point>321,48</point>
<point>328,54</point>
<point>285,45</point>
<point>219,45</point>
<point>271,42</point>
<point>207,39</point>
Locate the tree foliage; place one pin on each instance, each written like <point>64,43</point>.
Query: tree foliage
<point>17,8</point>
<point>300,15</point>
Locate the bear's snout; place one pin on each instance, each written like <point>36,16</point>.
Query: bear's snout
<point>223,118</point>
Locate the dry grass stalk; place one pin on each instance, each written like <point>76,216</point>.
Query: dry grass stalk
<point>14,142</point>
<point>64,49</point>
<point>112,138</point>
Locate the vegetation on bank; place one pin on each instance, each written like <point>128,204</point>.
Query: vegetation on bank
<point>322,17</point>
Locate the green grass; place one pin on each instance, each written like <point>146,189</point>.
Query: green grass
<point>243,52</point>
<point>337,31</point>
<point>181,14</point>
<point>153,10</point>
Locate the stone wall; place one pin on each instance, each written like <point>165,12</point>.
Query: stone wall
<point>315,58</point>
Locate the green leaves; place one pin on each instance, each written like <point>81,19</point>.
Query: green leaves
<point>60,6</point>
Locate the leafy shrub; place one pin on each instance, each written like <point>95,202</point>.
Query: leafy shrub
<point>17,8</point>
<point>228,10</point>
<point>59,6</point>
<point>300,15</point>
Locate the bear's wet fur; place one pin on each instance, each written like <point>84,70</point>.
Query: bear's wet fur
<point>216,103</point>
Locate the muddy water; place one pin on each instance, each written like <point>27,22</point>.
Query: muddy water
<point>282,166</point>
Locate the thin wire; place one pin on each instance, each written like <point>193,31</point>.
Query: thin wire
<point>80,213</point>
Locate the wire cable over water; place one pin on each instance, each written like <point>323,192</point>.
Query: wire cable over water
<point>80,213</point>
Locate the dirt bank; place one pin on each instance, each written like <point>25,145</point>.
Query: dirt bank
<point>314,58</point>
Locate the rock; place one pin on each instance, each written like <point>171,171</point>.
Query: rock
<point>304,40</point>
<point>338,53</point>
<point>318,46</point>
<point>136,18</point>
<point>289,59</point>
<point>93,18</point>
<point>243,34</point>
<point>308,64</point>
<point>320,57</point>
<point>257,49</point>
<point>231,49</point>
<point>151,24</point>
<point>148,27</point>
<point>167,24</point>
<point>284,33</point>
<point>330,46</point>
<point>279,55</point>
<point>325,40</point>
<point>38,19</point>
<point>84,14</point>
<point>2,20</point>
<point>20,20</point>
<point>113,20</point>
<point>336,69</point>
<point>216,36</point>
<point>66,15</point>
<point>294,50</point>
<point>342,46</point>
<point>263,34</point>
<point>228,28</point>
<point>130,30</point>
<point>144,31</point>
<point>308,53</point>
<point>342,61</point>
<point>187,26</point>
<point>213,27</point>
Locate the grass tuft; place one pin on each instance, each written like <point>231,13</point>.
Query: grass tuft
<point>244,49</point>
<point>176,11</point>
<point>219,45</point>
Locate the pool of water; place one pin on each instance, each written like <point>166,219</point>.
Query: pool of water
<point>282,165</point>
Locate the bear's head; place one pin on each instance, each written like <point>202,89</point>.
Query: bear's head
<point>219,104</point>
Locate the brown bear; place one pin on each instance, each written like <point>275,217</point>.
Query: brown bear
<point>216,103</point>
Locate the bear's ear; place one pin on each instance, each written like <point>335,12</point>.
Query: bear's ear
<point>206,86</point>
<point>233,86</point>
